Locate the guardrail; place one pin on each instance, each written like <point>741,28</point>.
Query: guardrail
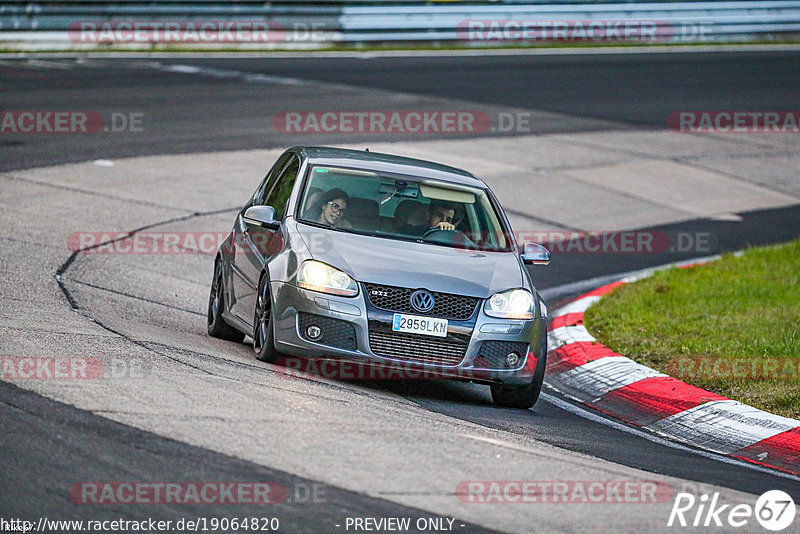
<point>323,22</point>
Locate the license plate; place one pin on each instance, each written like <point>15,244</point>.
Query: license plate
<point>414,324</point>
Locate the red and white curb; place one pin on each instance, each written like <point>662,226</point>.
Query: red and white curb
<point>594,375</point>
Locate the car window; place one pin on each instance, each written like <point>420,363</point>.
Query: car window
<point>400,207</point>
<point>278,197</point>
<point>259,197</point>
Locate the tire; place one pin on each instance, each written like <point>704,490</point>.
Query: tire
<point>522,397</point>
<point>217,327</point>
<point>263,330</point>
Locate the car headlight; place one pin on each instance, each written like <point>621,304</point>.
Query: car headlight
<point>317,276</point>
<point>511,304</point>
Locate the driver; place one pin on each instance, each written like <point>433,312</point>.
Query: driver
<point>440,217</point>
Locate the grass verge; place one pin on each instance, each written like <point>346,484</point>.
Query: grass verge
<point>730,326</point>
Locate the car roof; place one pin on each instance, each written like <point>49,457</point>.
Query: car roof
<point>376,161</point>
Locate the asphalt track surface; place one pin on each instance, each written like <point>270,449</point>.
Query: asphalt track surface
<point>45,442</point>
<point>202,114</point>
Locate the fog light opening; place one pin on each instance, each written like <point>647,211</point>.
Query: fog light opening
<point>512,359</point>
<point>314,332</point>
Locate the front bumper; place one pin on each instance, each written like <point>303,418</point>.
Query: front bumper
<point>346,324</point>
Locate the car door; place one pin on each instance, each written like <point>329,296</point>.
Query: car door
<point>254,246</point>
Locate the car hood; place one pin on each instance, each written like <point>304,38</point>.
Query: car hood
<point>409,264</point>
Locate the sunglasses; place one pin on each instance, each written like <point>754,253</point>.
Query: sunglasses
<point>443,217</point>
<point>336,207</point>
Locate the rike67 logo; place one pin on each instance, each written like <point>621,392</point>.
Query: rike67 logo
<point>774,510</point>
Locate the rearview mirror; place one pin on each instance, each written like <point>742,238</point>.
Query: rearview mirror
<point>400,190</point>
<point>535,254</point>
<point>263,216</point>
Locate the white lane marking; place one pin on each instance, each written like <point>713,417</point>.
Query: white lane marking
<point>598,377</point>
<point>249,77</point>
<point>50,64</point>
<point>566,335</point>
<point>580,412</point>
<point>722,426</point>
<point>36,64</point>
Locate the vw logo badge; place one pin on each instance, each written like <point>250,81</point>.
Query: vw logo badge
<point>422,300</point>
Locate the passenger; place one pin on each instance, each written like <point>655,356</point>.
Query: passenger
<point>332,208</point>
<point>440,217</point>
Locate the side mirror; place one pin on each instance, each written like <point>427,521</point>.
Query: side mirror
<point>536,254</point>
<point>263,216</point>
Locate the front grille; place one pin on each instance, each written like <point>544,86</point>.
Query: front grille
<point>492,354</point>
<point>416,348</point>
<point>335,332</point>
<point>398,299</point>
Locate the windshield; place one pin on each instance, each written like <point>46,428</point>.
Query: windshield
<point>390,206</point>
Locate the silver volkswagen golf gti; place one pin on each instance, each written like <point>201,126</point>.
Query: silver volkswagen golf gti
<point>383,260</point>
